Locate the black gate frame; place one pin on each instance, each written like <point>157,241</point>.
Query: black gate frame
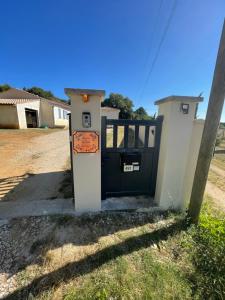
<point>154,150</point>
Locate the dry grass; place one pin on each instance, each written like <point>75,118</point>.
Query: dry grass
<point>107,256</point>
<point>115,254</point>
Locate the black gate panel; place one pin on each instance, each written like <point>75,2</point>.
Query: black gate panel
<point>130,151</point>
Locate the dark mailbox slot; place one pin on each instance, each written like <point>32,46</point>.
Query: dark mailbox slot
<point>130,162</point>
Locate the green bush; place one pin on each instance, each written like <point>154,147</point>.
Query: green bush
<point>208,255</point>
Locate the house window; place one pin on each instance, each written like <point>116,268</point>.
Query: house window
<point>65,114</point>
<point>59,110</point>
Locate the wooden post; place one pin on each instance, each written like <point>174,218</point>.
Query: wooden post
<point>212,122</point>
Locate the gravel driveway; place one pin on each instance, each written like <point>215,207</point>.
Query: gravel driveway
<point>36,170</point>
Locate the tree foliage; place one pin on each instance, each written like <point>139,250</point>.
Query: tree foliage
<point>125,105</point>
<point>43,93</point>
<point>141,114</point>
<point>4,87</point>
<point>40,92</point>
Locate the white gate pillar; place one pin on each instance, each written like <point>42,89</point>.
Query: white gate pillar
<point>86,141</point>
<point>176,150</point>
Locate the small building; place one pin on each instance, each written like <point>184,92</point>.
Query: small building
<point>20,109</point>
<point>110,112</point>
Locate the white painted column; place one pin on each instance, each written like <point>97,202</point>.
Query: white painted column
<point>196,137</point>
<point>176,151</point>
<point>86,166</point>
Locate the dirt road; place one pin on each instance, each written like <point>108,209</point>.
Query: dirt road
<point>32,164</point>
<point>215,192</point>
<point>217,170</point>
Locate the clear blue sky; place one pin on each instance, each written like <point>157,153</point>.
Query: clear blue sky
<point>104,44</point>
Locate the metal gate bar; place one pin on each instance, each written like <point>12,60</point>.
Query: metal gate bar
<point>114,181</point>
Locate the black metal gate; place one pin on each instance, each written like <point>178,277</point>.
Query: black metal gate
<point>130,151</point>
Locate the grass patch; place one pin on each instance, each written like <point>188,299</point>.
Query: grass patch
<point>206,243</point>
<point>128,256</point>
<point>137,276</point>
<point>62,220</point>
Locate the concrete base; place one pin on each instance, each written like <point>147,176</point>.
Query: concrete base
<point>127,203</point>
<point>10,210</point>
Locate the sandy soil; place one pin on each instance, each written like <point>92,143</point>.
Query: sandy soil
<point>33,163</point>
<point>217,195</point>
<point>217,170</point>
<point>213,191</point>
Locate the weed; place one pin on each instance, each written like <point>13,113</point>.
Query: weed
<point>206,243</point>
<point>62,220</point>
<point>66,187</point>
<point>136,276</point>
<point>129,256</point>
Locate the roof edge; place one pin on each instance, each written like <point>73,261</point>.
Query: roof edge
<point>110,108</point>
<point>73,91</point>
<point>175,98</point>
<point>56,102</point>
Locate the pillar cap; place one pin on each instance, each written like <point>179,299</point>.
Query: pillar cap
<point>71,91</point>
<point>179,99</point>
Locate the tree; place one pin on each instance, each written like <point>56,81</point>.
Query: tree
<point>40,92</point>
<point>4,87</point>
<point>123,103</point>
<point>141,114</point>
<point>43,93</point>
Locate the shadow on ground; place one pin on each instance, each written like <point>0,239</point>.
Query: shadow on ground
<point>92,262</point>
<point>29,187</point>
<point>86,230</point>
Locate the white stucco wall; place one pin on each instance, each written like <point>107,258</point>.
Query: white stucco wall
<point>87,166</point>
<point>8,116</point>
<point>50,115</point>
<point>151,138</point>
<point>110,113</point>
<point>21,112</point>
<point>47,118</point>
<point>61,118</point>
<point>197,130</point>
<point>176,139</point>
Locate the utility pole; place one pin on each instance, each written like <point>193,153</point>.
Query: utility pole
<point>212,122</point>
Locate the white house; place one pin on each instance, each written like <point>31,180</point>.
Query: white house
<point>20,109</point>
<point>110,112</point>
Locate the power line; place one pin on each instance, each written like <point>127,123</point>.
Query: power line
<point>159,46</point>
<point>152,37</point>
<point>156,23</point>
